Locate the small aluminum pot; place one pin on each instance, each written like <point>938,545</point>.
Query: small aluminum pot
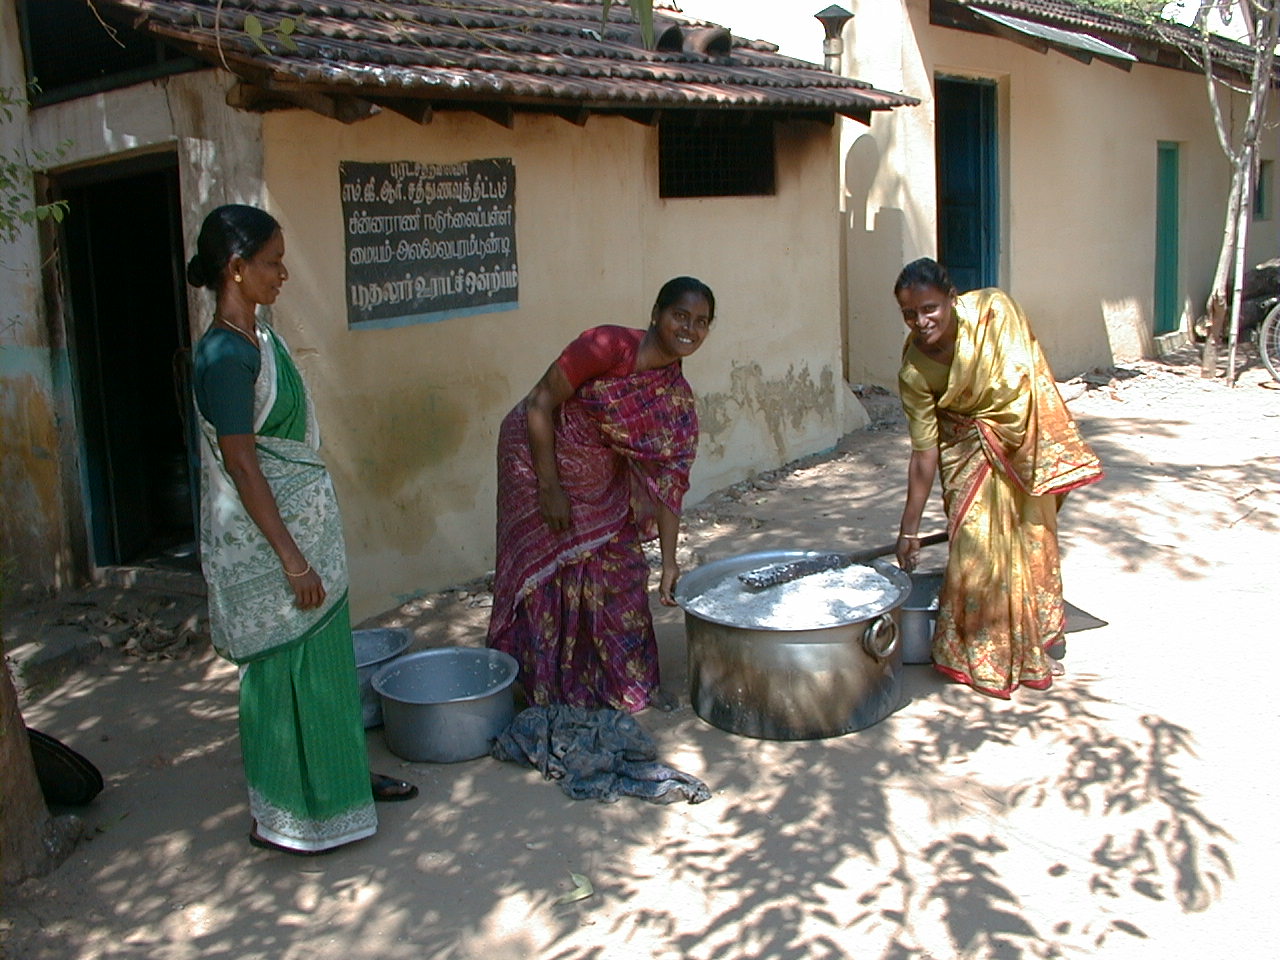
<point>447,704</point>
<point>374,648</point>
<point>786,684</point>
<point>919,616</point>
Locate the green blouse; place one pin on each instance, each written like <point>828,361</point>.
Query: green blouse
<point>226,367</point>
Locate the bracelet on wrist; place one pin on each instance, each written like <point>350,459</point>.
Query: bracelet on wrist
<point>909,536</point>
<point>300,573</point>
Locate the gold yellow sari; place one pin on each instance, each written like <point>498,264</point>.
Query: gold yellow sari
<point>1008,450</point>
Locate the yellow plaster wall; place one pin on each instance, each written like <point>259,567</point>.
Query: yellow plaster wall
<point>1077,181</point>
<point>31,508</point>
<point>411,414</point>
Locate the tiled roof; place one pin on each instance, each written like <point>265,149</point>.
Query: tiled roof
<point>521,54</point>
<point>1159,42</point>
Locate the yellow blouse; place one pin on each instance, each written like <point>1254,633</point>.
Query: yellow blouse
<point>921,382</point>
<point>999,380</point>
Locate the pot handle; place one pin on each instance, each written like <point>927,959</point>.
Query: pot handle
<point>880,638</point>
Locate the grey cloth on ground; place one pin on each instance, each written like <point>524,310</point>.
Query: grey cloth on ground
<point>604,754</point>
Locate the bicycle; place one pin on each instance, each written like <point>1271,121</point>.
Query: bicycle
<point>1268,341</point>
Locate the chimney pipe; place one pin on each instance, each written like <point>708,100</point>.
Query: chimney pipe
<point>833,20</point>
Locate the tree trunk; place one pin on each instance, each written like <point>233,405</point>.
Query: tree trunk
<point>1216,307</point>
<point>1264,20</point>
<point>28,834</point>
<point>1237,301</point>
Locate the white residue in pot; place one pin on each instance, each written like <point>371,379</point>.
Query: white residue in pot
<point>820,600</point>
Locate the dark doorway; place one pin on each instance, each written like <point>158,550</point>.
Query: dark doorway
<point>130,347</point>
<point>968,202</point>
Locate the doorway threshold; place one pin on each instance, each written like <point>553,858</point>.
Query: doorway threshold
<point>151,579</point>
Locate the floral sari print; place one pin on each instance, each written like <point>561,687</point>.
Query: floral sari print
<point>1008,451</point>
<point>572,607</point>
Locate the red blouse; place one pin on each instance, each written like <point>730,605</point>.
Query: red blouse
<point>605,351</point>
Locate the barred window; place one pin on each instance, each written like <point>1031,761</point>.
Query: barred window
<point>726,154</point>
<point>72,52</point>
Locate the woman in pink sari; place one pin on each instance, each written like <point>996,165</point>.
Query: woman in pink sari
<point>593,462</point>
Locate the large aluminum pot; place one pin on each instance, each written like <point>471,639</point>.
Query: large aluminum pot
<point>792,684</point>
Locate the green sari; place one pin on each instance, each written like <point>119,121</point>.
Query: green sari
<point>301,729</point>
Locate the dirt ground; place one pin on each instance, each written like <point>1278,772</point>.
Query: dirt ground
<point>1128,812</point>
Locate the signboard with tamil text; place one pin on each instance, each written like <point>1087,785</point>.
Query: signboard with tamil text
<point>428,241</point>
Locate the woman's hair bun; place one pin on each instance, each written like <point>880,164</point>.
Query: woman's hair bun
<point>231,230</point>
<point>197,276</point>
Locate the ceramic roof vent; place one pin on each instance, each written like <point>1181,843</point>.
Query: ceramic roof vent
<point>833,20</point>
<point>709,41</point>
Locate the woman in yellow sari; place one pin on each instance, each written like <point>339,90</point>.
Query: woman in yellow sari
<point>982,405</point>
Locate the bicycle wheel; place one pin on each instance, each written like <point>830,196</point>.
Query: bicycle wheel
<point>1269,341</point>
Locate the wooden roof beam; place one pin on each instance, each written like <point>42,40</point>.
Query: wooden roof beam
<point>862,116</point>
<point>336,106</point>
<point>503,114</point>
<point>646,118</point>
<point>576,115</point>
<point>419,111</point>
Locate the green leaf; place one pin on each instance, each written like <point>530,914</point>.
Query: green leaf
<point>261,46</point>
<point>253,26</point>
<point>288,44</point>
<point>286,26</point>
<point>643,11</point>
<point>582,889</point>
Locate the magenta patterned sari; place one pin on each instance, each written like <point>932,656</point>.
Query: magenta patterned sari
<point>573,607</point>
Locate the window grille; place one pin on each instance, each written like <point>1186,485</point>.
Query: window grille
<point>726,154</point>
<point>71,53</point>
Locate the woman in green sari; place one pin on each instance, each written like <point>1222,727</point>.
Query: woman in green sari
<point>273,556</point>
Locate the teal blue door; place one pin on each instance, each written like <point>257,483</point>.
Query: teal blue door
<point>968,214</point>
<point>1167,314</point>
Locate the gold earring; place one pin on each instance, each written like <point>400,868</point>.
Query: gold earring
<point>237,278</point>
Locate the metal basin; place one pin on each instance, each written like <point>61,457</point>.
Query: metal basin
<point>793,684</point>
<point>918,617</point>
<point>446,705</point>
<point>373,649</point>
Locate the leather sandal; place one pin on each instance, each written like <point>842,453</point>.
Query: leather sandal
<point>263,843</point>
<point>391,790</point>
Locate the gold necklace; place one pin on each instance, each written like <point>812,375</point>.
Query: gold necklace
<point>250,337</point>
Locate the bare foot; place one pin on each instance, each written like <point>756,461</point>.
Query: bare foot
<point>663,701</point>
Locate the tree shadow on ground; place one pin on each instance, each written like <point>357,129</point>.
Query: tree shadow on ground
<point>919,837</point>
<point>886,843</point>
<point>837,806</point>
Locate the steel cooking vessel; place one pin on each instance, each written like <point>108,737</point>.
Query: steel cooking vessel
<point>919,616</point>
<point>792,684</point>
